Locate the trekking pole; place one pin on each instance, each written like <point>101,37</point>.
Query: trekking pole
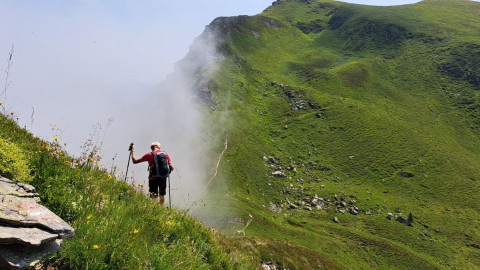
<point>128,164</point>
<point>169,196</point>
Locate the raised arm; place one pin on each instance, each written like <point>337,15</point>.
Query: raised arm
<point>135,160</point>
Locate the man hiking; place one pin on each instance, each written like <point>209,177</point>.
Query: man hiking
<point>160,167</point>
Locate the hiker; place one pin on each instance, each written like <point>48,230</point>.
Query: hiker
<point>156,185</point>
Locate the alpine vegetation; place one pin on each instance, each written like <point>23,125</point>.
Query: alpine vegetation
<point>349,134</point>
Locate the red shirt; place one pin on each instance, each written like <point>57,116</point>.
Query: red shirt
<point>149,157</point>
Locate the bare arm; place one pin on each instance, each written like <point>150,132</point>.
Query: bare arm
<point>135,160</point>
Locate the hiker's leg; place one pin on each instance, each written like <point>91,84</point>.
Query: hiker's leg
<point>163,190</point>
<point>162,199</point>
<point>153,188</point>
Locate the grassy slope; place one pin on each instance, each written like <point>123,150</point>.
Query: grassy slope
<point>396,90</point>
<point>116,227</point>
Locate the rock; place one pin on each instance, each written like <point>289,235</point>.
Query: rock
<point>389,216</point>
<point>368,213</point>
<point>475,245</point>
<point>8,187</point>
<point>403,220</point>
<point>272,160</point>
<point>25,212</point>
<point>335,219</point>
<point>17,256</point>
<point>28,231</point>
<point>308,208</point>
<point>265,158</point>
<point>279,174</point>
<point>270,266</point>
<point>300,203</point>
<point>319,207</point>
<point>25,236</point>
<point>292,206</point>
<point>274,208</point>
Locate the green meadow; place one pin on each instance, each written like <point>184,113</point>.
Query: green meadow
<point>375,110</point>
<point>348,137</point>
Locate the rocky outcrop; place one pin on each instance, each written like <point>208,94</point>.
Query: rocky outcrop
<point>28,230</point>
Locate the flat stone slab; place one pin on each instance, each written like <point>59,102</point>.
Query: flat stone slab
<point>25,236</point>
<point>19,208</point>
<point>25,212</point>
<point>17,256</point>
<point>9,187</point>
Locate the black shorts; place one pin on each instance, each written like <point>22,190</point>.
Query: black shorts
<point>157,186</point>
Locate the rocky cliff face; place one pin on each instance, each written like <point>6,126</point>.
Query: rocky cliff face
<point>28,230</point>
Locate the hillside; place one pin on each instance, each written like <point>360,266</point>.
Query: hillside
<point>116,225</point>
<point>352,133</point>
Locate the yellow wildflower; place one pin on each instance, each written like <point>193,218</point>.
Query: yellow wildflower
<point>95,246</point>
<point>168,223</point>
<point>1,103</point>
<point>55,138</point>
<point>109,175</point>
<point>98,163</point>
<point>136,231</point>
<point>89,217</point>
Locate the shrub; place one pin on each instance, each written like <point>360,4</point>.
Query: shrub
<point>13,163</point>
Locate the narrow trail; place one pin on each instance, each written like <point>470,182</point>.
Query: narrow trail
<point>211,178</point>
<point>242,231</point>
<point>218,162</point>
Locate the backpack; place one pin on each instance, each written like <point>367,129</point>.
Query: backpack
<point>160,166</point>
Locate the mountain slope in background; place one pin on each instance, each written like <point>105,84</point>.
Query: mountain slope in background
<point>352,133</point>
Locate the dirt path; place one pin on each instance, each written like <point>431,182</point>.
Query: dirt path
<point>218,163</point>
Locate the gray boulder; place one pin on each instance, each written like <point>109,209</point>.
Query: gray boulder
<point>28,230</point>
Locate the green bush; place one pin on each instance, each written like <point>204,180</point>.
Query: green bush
<point>13,162</point>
